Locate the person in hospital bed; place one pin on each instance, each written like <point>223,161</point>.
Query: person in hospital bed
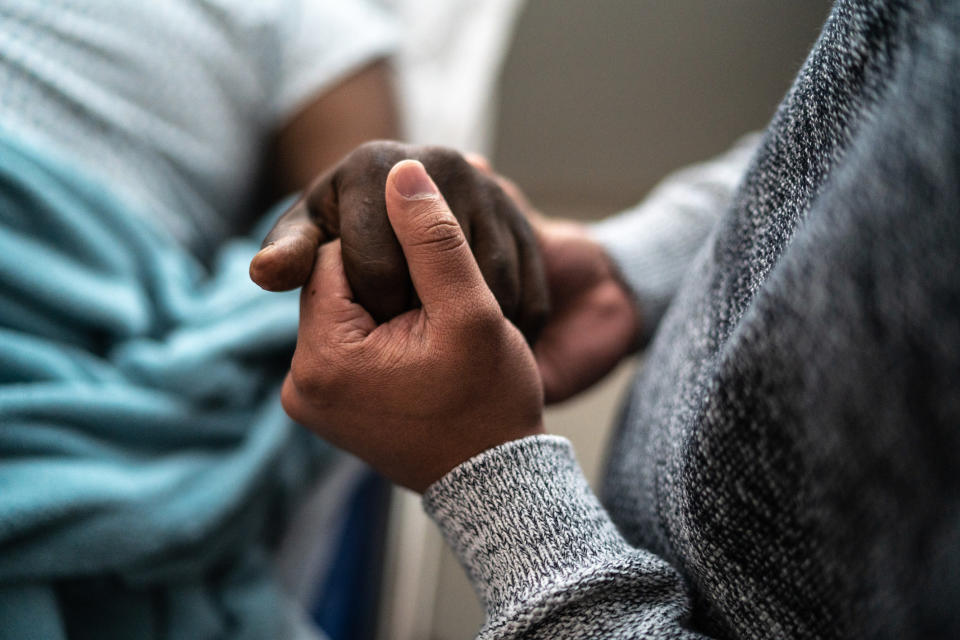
<point>147,466</point>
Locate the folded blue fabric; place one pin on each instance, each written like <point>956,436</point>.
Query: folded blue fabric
<point>145,460</point>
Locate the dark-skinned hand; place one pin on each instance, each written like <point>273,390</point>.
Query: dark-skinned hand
<point>348,203</point>
<point>419,394</point>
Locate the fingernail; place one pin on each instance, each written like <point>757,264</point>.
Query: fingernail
<point>412,180</point>
<point>265,249</point>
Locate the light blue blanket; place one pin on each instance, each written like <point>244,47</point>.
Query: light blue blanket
<point>144,457</point>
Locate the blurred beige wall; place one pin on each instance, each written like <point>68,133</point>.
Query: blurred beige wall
<point>599,100</point>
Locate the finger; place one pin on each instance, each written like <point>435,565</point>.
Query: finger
<point>444,272</point>
<point>287,254</point>
<point>534,306</point>
<point>327,305</point>
<point>510,188</point>
<point>372,256</point>
<point>496,254</point>
<point>479,162</point>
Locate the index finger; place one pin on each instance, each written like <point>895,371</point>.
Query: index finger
<point>287,254</point>
<point>327,305</point>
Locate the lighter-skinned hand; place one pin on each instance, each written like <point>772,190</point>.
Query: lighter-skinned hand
<point>423,392</point>
<point>594,321</point>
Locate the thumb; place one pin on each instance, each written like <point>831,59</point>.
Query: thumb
<point>442,267</point>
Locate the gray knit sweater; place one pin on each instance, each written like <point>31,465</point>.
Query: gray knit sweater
<point>787,464</point>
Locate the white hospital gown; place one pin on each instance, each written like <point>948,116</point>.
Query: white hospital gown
<point>171,102</point>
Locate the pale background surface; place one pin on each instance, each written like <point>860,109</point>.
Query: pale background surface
<point>599,100</point>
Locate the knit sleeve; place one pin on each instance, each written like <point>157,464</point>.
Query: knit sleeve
<point>543,555</point>
<point>653,243</point>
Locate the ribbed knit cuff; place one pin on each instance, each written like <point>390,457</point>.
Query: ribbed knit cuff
<point>521,518</point>
<point>652,252</point>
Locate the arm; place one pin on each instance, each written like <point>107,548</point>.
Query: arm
<point>329,88</point>
<point>543,555</point>
<point>452,381</point>
<point>610,284</point>
<point>653,243</point>
<point>361,107</point>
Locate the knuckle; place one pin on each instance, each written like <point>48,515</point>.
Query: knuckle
<point>368,148</point>
<point>448,167</point>
<point>504,205</point>
<point>307,380</point>
<point>500,271</point>
<point>290,401</point>
<point>372,159</point>
<point>316,376</point>
<point>510,200</point>
<point>445,155</point>
<point>368,218</point>
<point>479,162</point>
<point>437,230</point>
<point>482,322</point>
<point>510,188</point>
<point>377,149</point>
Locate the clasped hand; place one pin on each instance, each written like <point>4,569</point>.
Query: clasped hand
<point>417,384</point>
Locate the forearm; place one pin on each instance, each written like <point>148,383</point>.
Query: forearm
<point>543,554</point>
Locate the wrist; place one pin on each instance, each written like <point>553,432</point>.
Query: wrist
<point>471,450</point>
<point>510,513</point>
<point>631,306</point>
